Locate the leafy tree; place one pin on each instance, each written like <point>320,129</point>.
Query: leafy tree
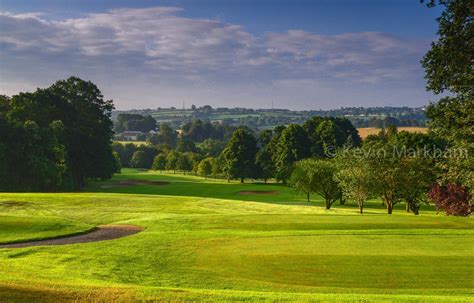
<point>355,179</point>
<point>118,164</point>
<point>292,146</point>
<point>184,163</point>
<point>418,176</point>
<point>165,136</point>
<point>139,159</point>
<point>387,171</point>
<point>185,145</point>
<point>172,161</point>
<point>326,134</point>
<point>205,166</point>
<point>212,147</point>
<point>303,177</point>
<point>125,152</point>
<point>449,67</point>
<point>87,129</point>
<point>239,155</point>
<point>324,172</point>
<point>452,199</point>
<point>449,62</point>
<point>159,162</point>
<point>264,163</point>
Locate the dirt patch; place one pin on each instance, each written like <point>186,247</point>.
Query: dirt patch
<point>258,192</point>
<point>101,233</point>
<point>14,204</point>
<point>134,182</point>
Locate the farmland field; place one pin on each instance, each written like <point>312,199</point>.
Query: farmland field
<point>366,131</point>
<point>216,241</point>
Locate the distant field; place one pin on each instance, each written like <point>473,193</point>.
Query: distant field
<point>213,241</point>
<point>367,131</point>
<point>133,142</point>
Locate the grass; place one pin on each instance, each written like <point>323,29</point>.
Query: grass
<point>364,132</point>
<point>137,143</point>
<point>204,241</point>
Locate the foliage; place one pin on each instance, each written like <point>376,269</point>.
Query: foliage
<point>184,162</point>
<point>303,178</point>
<point>452,199</point>
<point>205,167</point>
<point>117,162</point>
<point>355,178</point>
<point>139,160</point>
<point>165,136</point>
<point>172,160</point>
<point>134,122</point>
<point>322,181</point>
<point>212,147</point>
<point>449,66</point>
<point>159,162</point>
<point>66,132</point>
<point>239,155</point>
<point>292,146</point>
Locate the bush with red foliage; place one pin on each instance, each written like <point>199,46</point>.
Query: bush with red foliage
<point>452,199</point>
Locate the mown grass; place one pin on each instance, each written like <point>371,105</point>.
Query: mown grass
<point>204,241</point>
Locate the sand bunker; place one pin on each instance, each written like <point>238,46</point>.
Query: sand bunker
<point>101,233</point>
<point>258,192</point>
<point>134,182</point>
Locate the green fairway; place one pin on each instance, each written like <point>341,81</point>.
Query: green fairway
<point>216,241</point>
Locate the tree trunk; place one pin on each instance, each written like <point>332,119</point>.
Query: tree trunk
<point>361,206</point>
<point>328,204</point>
<point>389,208</point>
<point>307,196</point>
<point>407,207</point>
<point>241,180</point>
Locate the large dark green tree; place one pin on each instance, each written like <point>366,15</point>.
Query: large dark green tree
<point>449,66</point>
<point>87,130</point>
<point>75,111</point>
<point>239,155</point>
<point>293,145</point>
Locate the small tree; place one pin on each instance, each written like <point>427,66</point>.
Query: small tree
<point>139,160</point>
<point>159,162</point>
<point>264,163</point>
<point>184,163</point>
<point>355,180</point>
<point>302,177</point>
<point>418,175</point>
<point>117,163</point>
<point>205,167</point>
<point>452,199</point>
<point>318,176</point>
<point>172,161</point>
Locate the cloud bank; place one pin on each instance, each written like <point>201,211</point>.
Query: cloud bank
<point>154,57</point>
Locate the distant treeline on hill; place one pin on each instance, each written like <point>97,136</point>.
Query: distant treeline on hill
<point>259,119</point>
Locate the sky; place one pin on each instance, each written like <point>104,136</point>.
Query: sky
<point>319,54</point>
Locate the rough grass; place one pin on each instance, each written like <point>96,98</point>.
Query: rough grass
<point>202,241</point>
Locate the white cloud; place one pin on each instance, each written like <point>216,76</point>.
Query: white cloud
<point>159,43</point>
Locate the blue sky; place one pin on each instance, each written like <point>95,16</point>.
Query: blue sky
<point>148,54</point>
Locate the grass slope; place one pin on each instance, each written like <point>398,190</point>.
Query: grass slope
<point>205,241</point>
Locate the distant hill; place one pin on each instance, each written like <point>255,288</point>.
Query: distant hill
<point>376,117</point>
